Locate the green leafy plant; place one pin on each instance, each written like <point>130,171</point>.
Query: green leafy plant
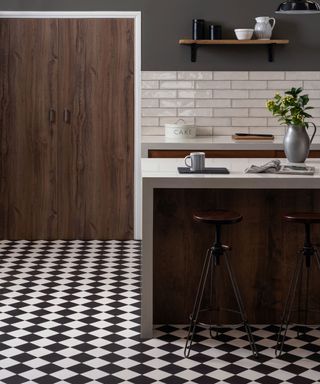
<point>290,108</point>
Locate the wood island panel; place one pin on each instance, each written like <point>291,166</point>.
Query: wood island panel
<point>157,153</point>
<point>263,255</point>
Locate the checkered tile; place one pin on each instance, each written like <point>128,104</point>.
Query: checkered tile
<point>69,313</point>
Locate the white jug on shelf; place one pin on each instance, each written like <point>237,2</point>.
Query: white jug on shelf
<point>263,28</point>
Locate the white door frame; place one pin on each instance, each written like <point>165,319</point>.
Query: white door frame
<point>136,15</point>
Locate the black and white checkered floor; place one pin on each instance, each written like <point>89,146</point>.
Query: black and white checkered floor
<point>70,314</point>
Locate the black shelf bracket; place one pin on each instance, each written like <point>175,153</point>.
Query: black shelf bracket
<point>194,52</point>
<point>271,52</point>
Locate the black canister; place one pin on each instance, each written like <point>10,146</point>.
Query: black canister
<point>197,29</point>
<point>215,32</point>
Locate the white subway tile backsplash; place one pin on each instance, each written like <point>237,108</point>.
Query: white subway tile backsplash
<point>202,94</point>
<point>249,122</point>
<point>248,103</point>
<point>150,103</point>
<point>227,131</point>
<point>158,94</point>
<point>314,112</point>
<point>149,121</point>
<point>150,84</point>
<point>231,94</point>
<point>213,121</point>
<point>315,103</point>
<point>152,131</point>
<point>159,112</point>
<point>266,75</point>
<point>313,94</point>
<point>259,112</point>
<point>311,84</point>
<point>213,103</point>
<point>220,103</point>
<point>158,75</point>
<point>253,84</point>
<point>214,84</point>
<point>302,75</point>
<point>284,85</point>
<point>177,103</point>
<point>180,84</point>
<point>257,94</point>
<point>195,75</point>
<point>231,75</point>
<point>195,112</point>
<point>231,112</point>
<point>273,122</point>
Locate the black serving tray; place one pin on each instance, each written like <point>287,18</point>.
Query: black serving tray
<point>212,171</point>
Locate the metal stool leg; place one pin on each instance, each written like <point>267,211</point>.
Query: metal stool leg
<point>288,306</point>
<point>212,259</point>
<point>306,307</point>
<point>212,301</point>
<point>241,306</point>
<point>197,304</point>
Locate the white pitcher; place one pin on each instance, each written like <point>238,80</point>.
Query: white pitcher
<point>263,28</point>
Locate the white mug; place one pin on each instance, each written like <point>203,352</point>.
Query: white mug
<point>197,161</point>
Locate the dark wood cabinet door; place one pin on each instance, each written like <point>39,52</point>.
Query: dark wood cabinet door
<point>28,80</point>
<point>96,134</point>
<point>4,128</point>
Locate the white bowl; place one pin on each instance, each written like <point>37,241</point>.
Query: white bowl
<point>244,34</point>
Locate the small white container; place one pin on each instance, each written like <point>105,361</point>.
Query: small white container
<point>180,130</point>
<point>244,34</point>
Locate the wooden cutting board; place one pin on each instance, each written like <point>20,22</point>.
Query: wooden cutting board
<point>252,137</point>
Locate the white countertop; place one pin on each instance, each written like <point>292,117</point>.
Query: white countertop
<point>163,173</point>
<point>213,143</point>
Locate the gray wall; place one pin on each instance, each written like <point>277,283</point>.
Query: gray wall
<point>164,22</point>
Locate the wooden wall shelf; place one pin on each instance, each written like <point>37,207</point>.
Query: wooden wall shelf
<point>195,44</point>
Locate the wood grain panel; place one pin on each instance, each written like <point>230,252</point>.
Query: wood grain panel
<point>263,255</point>
<point>4,128</point>
<point>314,154</point>
<point>96,158</point>
<point>155,153</point>
<point>28,139</point>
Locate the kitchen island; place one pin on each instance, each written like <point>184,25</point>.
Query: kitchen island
<point>264,248</point>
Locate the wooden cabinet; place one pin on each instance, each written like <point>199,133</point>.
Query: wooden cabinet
<point>155,153</point>
<point>67,128</point>
<point>96,101</point>
<point>28,77</point>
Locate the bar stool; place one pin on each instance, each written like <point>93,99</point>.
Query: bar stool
<point>215,255</point>
<point>305,256</point>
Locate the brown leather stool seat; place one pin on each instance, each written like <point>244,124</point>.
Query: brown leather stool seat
<point>217,217</point>
<point>303,217</point>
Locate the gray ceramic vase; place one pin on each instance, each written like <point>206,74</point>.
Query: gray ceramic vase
<point>297,143</point>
